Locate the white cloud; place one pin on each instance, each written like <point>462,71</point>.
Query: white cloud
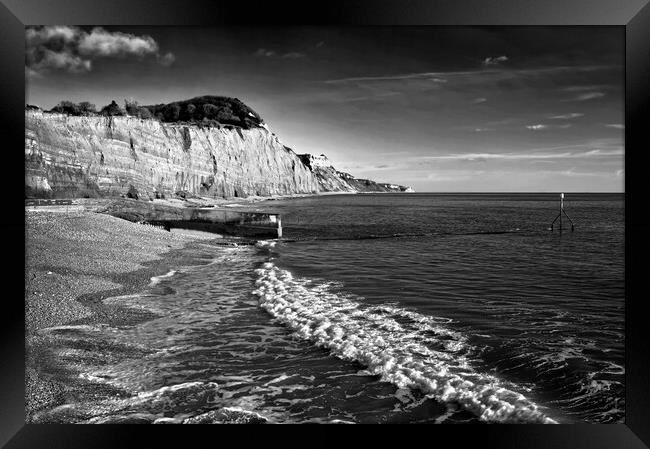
<point>529,156</point>
<point>72,49</point>
<point>540,127</point>
<point>265,52</point>
<point>569,116</point>
<point>615,125</point>
<point>293,55</point>
<point>495,71</point>
<point>167,59</point>
<point>586,96</point>
<point>104,43</point>
<point>495,60</point>
<point>479,100</point>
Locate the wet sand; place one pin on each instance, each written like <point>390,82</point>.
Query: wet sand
<point>74,260</point>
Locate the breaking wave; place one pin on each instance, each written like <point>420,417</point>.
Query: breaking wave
<point>155,280</point>
<point>405,348</point>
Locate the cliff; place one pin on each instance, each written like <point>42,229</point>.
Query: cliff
<point>91,156</point>
<point>331,180</point>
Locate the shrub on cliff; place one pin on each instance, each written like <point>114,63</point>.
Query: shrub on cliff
<point>225,110</point>
<point>134,109</point>
<point>172,112</point>
<point>87,108</point>
<point>144,113</point>
<point>190,109</point>
<point>112,109</point>
<point>68,107</point>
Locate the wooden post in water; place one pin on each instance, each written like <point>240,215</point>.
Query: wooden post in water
<point>279,227</point>
<point>562,212</point>
<point>561,209</point>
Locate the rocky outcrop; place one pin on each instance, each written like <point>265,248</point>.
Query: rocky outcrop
<point>328,178</point>
<point>91,156</point>
<point>331,180</point>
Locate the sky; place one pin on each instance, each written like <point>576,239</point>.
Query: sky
<point>441,109</point>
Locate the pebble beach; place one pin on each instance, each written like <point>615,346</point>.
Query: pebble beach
<point>74,260</point>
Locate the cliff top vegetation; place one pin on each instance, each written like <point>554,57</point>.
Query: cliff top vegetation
<point>207,110</point>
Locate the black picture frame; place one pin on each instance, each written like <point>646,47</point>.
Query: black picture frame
<point>633,16</point>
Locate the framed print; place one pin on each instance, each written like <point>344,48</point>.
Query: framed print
<point>360,213</point>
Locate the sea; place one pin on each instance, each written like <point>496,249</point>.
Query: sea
<point>376,308</point>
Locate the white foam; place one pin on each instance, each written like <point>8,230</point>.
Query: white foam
<point>157,279</point>
<point>265,244</point>
<point>406,348</point>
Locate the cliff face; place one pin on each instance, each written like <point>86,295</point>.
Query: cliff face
<point>90,156</point>
<point>76,156</point>
<point>331,180</point>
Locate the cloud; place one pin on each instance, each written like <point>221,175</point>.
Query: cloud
<point>480,130</point>
<point>104,43</point>
<point>572,172</point>
<point>479,100</point>
<point>386,77</point>
<point>620,172</point>
<point>529,156</point>
<point>73,50</point>
<point>587,96</point>
<point>319,44</point>
<point>566,116</point>
<point>495,61</point>
<point>615,125</point>
<point>583,88</point>
<point>498,72</point>
<point>167,59</point>
<point>536,127</point>
<point>293,55</point>
<point>264,52</point>
<point>370,97</point>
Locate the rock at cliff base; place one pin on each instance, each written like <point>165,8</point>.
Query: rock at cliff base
<point>133,193</point>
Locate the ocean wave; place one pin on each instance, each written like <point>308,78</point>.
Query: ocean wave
<point>405,348</point>
<point>157,279</point>
<point>181,400</point>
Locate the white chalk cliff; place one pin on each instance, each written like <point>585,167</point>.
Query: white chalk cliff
<point>95,155</point>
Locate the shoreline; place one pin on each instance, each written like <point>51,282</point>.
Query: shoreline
<point>73,262</point>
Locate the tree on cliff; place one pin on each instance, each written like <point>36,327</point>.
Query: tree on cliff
<point>68,107</point>
<point>208,109</point>
<point>112,109</point>
<point>190,109</point>
<point>87,108</point>
<point>172,112</point>
<point>133,108</point>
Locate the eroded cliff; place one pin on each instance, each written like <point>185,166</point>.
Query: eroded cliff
<point>89,156</point>
<point>95,155</point>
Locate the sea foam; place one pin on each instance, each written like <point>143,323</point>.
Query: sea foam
<point>157,279</point>
<point>406,348</point>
